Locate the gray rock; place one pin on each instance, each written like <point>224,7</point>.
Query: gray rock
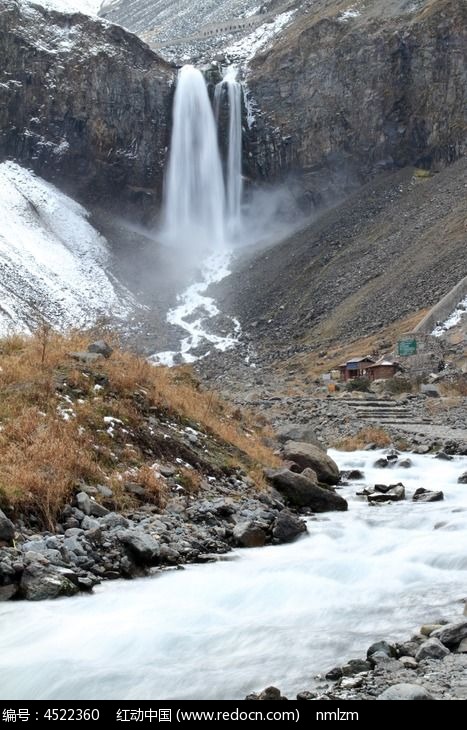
<point>352,475</point>
<point>98,510</point>
<point>309,474</point>
<point>382,646</point>
<point>87,358</point>
<point>443,456</point>
<point>143,547</point>
<point>104,491</point>
<point>8,591</point>
<point>308,455</point>
<point>301,492</point>
<point>451,634</point>
<point>355,666</point>
<point>382,493</point>
<point>89,523</point>
<point>287,527</point>
<point>424,495</point>
<point>431,649</point>
<point>271,693</point>
<point>40,582</point>
<point>249,534</point>
<point>334,674</point>
<point>113,520</point>
<point>101,347</point>
<point>408,662</point>
<point>427,629</point>
<point>381,463</point>
<point>463,478</point>
<point>462,648</point>
<point>405,463</point>
<point>405,691</point>
<point>298,432</point>
<point>306,695</point>
<point>430,390</point>
<point>7,529</point>
<point>84,502</point>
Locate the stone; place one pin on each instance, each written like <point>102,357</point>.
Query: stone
<point>308,455</point>
<point>88,523</point>
<point>405,463</point>
<point>355,666</point>
<point>408,662</point>
<point>462,648</point>
<point>84,503</point>
<point>393,493</point>
<point>298,432</point>
<point>101,347</point>
<point>408,648</point>
<point>287,527</point>
<point>7,529</point>
<point>405,691</point>
<point>271,693</point>
<point>427,629</point>
<point>334,674</point>
<point>431,649</point>
<point>308,473</point>
<point>98,510</point>
<point>451,634</point>
<point>352,475</point>
<point>142,546</point>
<point>8,591</point>
<point>463,478</point>
<point>306,695</point>
<point>430,390</point>
<point>301,492</point>
<point>113,520</point>
<point>424,495</point>
<point>381,463</point>
<point>443,456</point>
<point>249,534</point>
<point>381,646</point>
<point>40,582</point>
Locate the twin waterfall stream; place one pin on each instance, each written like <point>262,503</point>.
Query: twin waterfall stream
<point>202,203</point>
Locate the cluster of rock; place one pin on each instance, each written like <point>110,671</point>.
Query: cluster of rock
<point>430,666</point>
<point>95,544</point>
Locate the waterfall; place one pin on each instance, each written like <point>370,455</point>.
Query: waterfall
<point>194,213</point>
<point>233,182</point>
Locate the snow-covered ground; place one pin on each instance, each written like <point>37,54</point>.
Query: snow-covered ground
<point>52,261</point>
<point>88,7</point>
<point>259,39</point>
<point>453,319</point>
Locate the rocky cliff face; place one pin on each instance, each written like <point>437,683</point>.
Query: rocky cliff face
<point>343,95</point>
<point>85,104</point>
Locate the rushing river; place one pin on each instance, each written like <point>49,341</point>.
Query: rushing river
<point>275,615</point>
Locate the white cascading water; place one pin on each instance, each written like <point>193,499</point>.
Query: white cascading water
<point>194,197</point>
<point>275,615</point>
<point>202,214</point>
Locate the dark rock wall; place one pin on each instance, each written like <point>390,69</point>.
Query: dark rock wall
<point>85,104</point>
<point>350,98</point>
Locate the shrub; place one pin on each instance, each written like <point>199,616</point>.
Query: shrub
<point>363,385</point>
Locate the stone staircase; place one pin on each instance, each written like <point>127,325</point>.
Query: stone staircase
<point>385,411</point>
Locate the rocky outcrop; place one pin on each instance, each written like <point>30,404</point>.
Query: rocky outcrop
<point>84,103</point>
<point>349,97</point>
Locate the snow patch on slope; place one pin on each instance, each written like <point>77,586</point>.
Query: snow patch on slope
<point>259,39</point>
<point>88,7</point>
<point>52,261</point>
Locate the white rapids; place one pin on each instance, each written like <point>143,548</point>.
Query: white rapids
<point>274,615</point>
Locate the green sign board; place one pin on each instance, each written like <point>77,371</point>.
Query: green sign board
<point>407,347</point>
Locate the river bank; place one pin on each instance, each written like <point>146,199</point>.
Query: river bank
<point>279,614</point>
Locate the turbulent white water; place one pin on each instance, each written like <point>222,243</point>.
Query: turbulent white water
<point>194,202</point>
<point>201,212</point>
<point>276,615</point>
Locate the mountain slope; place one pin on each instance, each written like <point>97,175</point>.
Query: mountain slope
<point>53,263</point>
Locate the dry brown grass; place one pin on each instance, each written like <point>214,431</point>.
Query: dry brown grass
<point>53,434</point>
<point>369,435</point>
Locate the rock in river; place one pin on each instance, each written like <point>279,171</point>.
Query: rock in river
<point>308,455</point>
<point>302,492</point>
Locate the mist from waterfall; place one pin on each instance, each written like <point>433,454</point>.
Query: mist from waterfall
<point>194,214</point>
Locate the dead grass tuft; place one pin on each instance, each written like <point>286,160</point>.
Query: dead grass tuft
<point>369,435</point>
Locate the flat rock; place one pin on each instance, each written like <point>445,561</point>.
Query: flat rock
<point>308,455</point>
<point>425,495</point>
<point>405,691</point>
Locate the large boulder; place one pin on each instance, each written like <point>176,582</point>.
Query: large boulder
<point>431,649</point>
<point>302,492</point>
<point>7,529</point>
<point>451,634</point>
<point>41,581</point>
<point>309,455</point>
<point>425,495</point>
